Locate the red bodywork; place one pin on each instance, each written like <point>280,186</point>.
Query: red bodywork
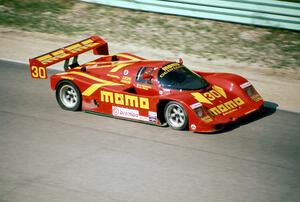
<point>109,86</point>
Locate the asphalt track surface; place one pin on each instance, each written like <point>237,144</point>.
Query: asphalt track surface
<point>48,154</point>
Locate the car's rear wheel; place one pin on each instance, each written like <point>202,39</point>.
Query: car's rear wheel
<point>68,96</point>
<point>176,116</point>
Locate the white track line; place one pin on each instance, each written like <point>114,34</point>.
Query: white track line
<point>11,60</point>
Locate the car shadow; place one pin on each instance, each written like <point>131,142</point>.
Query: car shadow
<point>269,109</point>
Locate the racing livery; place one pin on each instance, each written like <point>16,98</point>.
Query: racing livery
<point>158,92</point>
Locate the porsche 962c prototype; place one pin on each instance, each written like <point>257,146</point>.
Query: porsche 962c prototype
<point>158,92</point>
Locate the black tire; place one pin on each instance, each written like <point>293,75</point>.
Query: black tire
<point>176,116</point>
<point>68,96</point>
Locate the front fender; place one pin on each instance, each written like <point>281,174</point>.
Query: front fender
<point>231,83</point>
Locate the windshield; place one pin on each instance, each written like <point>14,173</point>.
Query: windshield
<point>177,76</point>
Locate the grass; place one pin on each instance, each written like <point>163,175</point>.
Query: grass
<point>208,39</point>
<point>35,15</point>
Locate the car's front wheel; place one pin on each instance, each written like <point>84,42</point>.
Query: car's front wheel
<point>68,96</point>
<point>176,116</point>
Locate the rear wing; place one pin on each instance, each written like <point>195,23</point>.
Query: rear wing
<point>38,64</point>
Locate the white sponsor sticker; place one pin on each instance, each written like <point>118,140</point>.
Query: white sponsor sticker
<point>126,113</point>
<point>196,105</point>
<point>245,85</point>
<point>125,72</point>
<point>152,116</point>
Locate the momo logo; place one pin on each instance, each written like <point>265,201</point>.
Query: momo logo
<point>214,94</point>
<point>124,99</point>
<point>226,107</point>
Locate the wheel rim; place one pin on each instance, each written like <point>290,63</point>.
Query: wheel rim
<point>176,115</point>
<point>68,96</point>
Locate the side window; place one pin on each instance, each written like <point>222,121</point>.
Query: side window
<point>141,78</point>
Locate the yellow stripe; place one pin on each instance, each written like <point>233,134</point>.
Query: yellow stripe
<point>103,66</point>
<point>113,76</point>
<point>250,111</point>
<point>98,67</point>
<point>92,44</point>
<point>90,90</point>
<point>87,41</point>
<point>44,57</point>
<point>220,90</point>
<point>67,77</point>
<point>200,98</point>
<point>73,46</point>
<point>118,67</point>
<point>59,52</point>
<point>87,76</point>
<point>128,56</point>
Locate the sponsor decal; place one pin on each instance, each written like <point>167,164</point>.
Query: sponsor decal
<point>168,68</point>
<point>125,113</point>
<point>128,113</point>
<point>144,87</point>
<point>227,107</point>
<point>196,105</point>
<point>193,127</point>
<point>152,116</point>
<point>38,72</point>
<point>126,79</point>
<point>124,99</point>
<point>125,72</point>
<point>214,94</point>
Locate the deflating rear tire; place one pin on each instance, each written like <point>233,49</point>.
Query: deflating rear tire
<point>68,96</point>
<point>176,116</point>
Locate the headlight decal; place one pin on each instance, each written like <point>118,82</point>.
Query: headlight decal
<point>196,105</point>
<point>250,91</point>
<point>245,85</point>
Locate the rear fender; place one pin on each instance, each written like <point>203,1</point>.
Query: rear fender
<point>55,80</point>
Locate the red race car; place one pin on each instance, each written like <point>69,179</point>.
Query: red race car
<point>158,92</point>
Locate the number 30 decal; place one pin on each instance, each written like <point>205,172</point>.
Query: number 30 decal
<point>38,72</point>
